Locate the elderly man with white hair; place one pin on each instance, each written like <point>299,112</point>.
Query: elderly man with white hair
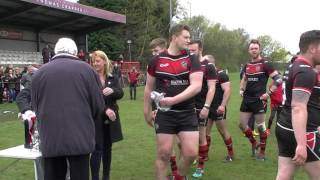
<point>67,101</point>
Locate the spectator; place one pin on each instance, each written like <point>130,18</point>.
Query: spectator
<point>82,55</point>
<point>117,72</point>
<point>17,72</point>
<point>133,80</point>
<point>67,113</point>
<point>26,78</point>
<point>1,85</point>
<point>111,128</point>
<point>46,55</point>
<point>10,80</point>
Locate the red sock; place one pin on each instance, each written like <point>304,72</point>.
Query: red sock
<point>263,142</point>
<point>173,164</point>
<point>203,154</point>
<point>178,177</point>
<point>228,143</point>
<point>249,135</point>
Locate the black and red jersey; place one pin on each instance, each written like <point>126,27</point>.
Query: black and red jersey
<point>172,75</point>
<point>222,78</point>
<point>301,76</point>
<point>257,74</point>
<point>209,73</point>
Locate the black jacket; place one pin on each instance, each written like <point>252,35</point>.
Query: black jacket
<point>67,99</point>
<point>111,102</point>
<point>23,99</point>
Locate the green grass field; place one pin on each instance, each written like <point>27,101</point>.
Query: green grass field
<point>133,158</point>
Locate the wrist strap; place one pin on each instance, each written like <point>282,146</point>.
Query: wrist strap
<point>207,106</point>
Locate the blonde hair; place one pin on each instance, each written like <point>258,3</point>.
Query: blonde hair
<point>108,67</point>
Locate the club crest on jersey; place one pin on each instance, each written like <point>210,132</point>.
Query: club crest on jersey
<point>184,64</point>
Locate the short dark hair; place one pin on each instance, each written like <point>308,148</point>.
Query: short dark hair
<point>198,41</point>
<point>161,42</point>
<point>254,41</point>
<point>177,29</point>
<point>308,38</point>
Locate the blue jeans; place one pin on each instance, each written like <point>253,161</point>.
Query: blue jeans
<point>12,95</point>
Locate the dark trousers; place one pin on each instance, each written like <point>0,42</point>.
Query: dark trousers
<point>55,168</point>
<point>133,88</point>
<point>104,151</point>
<point>12,95</point>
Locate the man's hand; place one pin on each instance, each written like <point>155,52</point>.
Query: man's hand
<point>149,119</point>
<point>107,91</point>
<point>241,92</point>
<point>221,109</point>
<point>264,97</point>
<point>204,113</point>
<point>153,114</point>
<point>167,102</point>
<point>300,156</point>
<point>111,114</point>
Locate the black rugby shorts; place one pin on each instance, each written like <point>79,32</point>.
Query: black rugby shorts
<point>173,122</point>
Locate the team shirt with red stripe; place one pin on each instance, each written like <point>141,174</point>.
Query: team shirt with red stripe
<point>222,78</point>
<point>172,75</point>
<point>209,73</point>
<point>257,74</point>
<point>300,76</point>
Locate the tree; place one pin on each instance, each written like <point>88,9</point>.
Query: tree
<point>199,26</point>
<point>268,45</point>
<point>146,20</point>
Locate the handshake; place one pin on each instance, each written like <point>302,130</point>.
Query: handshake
<point>156,97</point>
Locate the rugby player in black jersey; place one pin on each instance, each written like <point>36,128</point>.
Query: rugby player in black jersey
<point>177,74</point>
<point>297,130</point>
<point>203,102</point>
<point>218,109</point>
<point>253,90</point>
<point>157,46</point>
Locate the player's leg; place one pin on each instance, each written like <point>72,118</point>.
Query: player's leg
<point>286,168</point>
<point>260,123</point>
<point>173,160</point>
<point>203,148</point>
<point>164,150</point>
<point>222,128</point>
<point>312,169</point>
<point>271,117</point>
<point>189,141</point>
<point>244,117</point>
<point>286,148</point>
<point>210,124</point>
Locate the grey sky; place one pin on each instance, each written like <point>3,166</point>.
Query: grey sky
<point>282,20</point>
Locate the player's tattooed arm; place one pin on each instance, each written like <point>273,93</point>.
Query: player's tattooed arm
<point>299,112</point>
<point>300,96</point>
